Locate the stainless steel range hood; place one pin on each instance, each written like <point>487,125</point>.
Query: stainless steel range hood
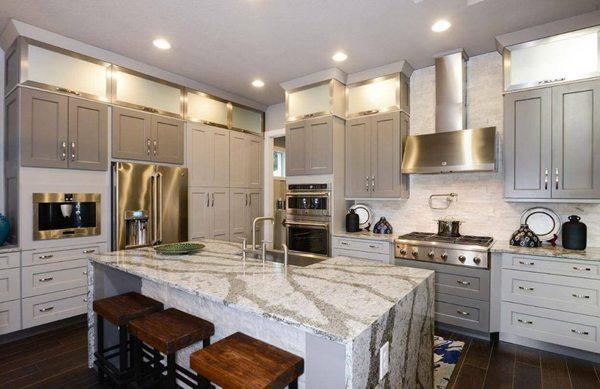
<point>451,148</point>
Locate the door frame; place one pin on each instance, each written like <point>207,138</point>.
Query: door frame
<point>269,145</point>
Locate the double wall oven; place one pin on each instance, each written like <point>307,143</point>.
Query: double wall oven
<point>308,218</point>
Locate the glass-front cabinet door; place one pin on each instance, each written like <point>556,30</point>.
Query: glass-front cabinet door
<point>381,94</point>
<point>323,98</point>
<point>207,109</point>
<point>246,119</point>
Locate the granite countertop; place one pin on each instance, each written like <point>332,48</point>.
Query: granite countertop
<point>589,254</point>
<point>366,235</point>
<point>338,298</point>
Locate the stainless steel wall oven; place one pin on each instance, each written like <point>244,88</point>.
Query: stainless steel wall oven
<point>308,218</point>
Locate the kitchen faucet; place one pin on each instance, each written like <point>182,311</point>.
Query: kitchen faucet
<point>257,219</point>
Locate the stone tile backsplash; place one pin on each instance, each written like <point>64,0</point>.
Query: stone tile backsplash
<point>480,201</point>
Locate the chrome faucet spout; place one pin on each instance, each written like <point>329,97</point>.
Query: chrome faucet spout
<point>258,219</point>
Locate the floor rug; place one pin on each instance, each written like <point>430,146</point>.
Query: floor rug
<point>446,353</point>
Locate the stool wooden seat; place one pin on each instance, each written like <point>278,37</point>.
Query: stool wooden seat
<point>168,332</point>
<point>120,309</point>
<point>240,361</point>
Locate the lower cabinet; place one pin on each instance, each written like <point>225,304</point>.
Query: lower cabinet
<point>51,307</point>
<point>245,205</point>
<point>374,250</point>
<point>10,316</point>
<point>209,213</point>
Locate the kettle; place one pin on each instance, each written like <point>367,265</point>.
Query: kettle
<point>574,234</point>
<point>352,221</point>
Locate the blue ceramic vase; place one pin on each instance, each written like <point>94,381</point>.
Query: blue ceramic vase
<point>524,237</point>
<point>382,227</point>
<point>4,229</point>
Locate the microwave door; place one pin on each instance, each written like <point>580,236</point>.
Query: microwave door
<point>172,204</point>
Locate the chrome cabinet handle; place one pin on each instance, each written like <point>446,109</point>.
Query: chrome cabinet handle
<point>368,184</point>
<point>463,282</point>
<point>526,263</point>
<point>372,183</point>
<point>46,309</point>
<point>63,154</point>
<point>246,199</point>
<point>249,200</point>
<point>148,143</point>
<point>89,251</point>
<point>213,200</point>
<point>72,151</point>
<point>155,143</point>
<point>463,313</point>
<point>578,332</point>
<point>526,288</point>
<point>47,256</point>
<point>345,243</point>
<point>207,199</point>
<point>71,91</point>
<point>373,246</point>
<point>556,186</point>
<point>46,279</point>
<point>580,296</point>
<point>546,179</point>
<point>524,321</point>
<point>577,268</point>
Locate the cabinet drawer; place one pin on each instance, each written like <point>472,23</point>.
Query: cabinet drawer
<point>385,258</point>
<point>10,317</point>
<point>579,295</point>
<point>470,286</point>
<point>54,277</point>
<point>362,245</point>
<point>561,266</point>
<point>39,257</point>
<point>462,312</point>
<point>10,284</point>
<point>54,306</point>
<point>567,329</point>
<point>10,260</point>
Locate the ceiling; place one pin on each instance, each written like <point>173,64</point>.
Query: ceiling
<point>228,43</point>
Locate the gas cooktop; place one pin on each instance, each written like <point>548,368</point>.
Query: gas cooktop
<point>485,241</point>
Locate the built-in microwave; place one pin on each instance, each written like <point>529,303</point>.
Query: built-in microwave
<point>65,215</point>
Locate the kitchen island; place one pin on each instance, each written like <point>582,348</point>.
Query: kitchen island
<point>336,314</point>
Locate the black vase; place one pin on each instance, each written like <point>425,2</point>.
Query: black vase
<point>524,237</point>
<point>382,227</point>
<point>574,234</point>
<point>352,221</point>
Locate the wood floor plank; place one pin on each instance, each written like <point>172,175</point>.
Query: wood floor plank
<point>500,373</point>
<point>470,377</point>
<point>459,363</point>
<point>479,353</point>
<point>528,355</point>
<point>81,377</point>
<point>582,374</point>
<point>554,372</point>
<point>527,376</point>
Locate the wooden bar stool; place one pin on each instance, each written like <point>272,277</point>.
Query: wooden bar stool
<point>119,310</point>
<point>168,332</point>
<point>240,361</point>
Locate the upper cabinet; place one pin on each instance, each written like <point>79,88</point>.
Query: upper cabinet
<point>381,94</point>
<point>206,109</point>
<point>135,90</point>
<point>323,98</point>
<point>38,64</point>
<point>246,119</point>
<point>566,57</point>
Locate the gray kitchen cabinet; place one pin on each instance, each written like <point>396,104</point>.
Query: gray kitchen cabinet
<point>255,209</point>
<point>44,129</point>
<point>528,144</point>
<point>552,140</point>
<point>88,135</point>
<point>309,146</point>
<point>209,213</point>
<point>374,146</point>
<point>208,156</point>
<point>219,204</point>
<point>167,139</point>
<point>131,134</point>
<point>245,205</point>
<point>576,140</point>
<point>245,161</point>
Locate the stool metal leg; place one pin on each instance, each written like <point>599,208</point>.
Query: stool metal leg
<point>100,343</point>
<point>122,348</point>
<point>293,384</point>
<point>171,366</point>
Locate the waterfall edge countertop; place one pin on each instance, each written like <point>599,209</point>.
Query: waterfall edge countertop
<point>589,254</point>
<point>338,298</point>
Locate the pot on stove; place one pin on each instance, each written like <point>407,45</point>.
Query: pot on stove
<point>449,227</point>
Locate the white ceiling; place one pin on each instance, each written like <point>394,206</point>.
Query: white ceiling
<point>227,43</point>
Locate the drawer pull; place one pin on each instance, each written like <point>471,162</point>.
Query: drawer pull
<point>345,243</point>
<point>85,300</point>
<point>526,288</point>
<point>46,309</point>
<point>463,313</point>
<point>46,279</point>
<point>579,332</point>
<point>47,256</point>
<point>85,273</point>
<point>373,246</point>
<point>524,321</point>
<point>89,251</point>
<point>463,282</point>
<point>580,296</point>
<point>577,268</point>
<point>526,263</point>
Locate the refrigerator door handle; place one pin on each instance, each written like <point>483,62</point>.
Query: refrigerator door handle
<point>154,212</point>
<point>159,196</point>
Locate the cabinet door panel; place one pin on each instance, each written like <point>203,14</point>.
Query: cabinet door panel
<point>219,203</point>
<point>199,213</point>
<point>255,161</point>
<point>131,134</point>
<point>528,144</point>
<point>358,157</point>
<point>201,156</point>
<point>576,141</point>
<point>88,132</point>
<point>238,214</point>
<point>44,129</point>
<point>385,155</point>
<point>221,157</point>
<point>295,148</point>
<point>254,211</point>
<point>319,145</point>
<point>168,139</point>
<point>238,168</point>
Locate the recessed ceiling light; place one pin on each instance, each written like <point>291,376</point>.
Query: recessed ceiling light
<point>440,26</point>
<point>162,44</point>
<point>258,83</point>
<point>339,56</point>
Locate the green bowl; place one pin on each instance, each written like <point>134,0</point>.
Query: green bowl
<point>178,248</point>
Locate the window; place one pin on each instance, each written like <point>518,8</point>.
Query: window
<point>279,163</point>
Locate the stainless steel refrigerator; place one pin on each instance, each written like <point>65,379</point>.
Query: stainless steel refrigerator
<point>149,205</point>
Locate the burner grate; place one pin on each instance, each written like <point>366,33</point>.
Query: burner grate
<point>465,239</point>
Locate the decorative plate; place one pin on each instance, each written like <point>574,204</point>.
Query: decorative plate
<point>365,215</point>
<point>178,248</point>
<point>544,222</point>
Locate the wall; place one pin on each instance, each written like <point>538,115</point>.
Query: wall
<point>275,117</point>
<point>480,202</point>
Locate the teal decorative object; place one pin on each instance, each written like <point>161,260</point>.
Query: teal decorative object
<point>4,229</point>
<point>178,248</point>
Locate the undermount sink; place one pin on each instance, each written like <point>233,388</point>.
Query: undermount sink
<point>294,258</point>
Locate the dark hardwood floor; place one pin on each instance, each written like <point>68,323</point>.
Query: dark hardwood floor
<point>58,359</point>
